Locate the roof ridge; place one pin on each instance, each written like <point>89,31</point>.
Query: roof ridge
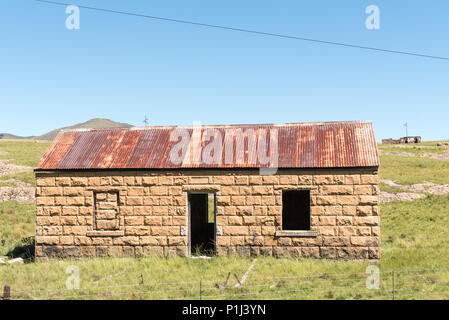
<point>281,125</point>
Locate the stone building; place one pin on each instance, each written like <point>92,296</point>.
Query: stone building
<point>304,189</point>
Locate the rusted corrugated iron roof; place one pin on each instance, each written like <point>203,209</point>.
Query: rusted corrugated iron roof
<point>296,145</point>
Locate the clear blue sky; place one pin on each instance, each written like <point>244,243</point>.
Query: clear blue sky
<point>123,67</point>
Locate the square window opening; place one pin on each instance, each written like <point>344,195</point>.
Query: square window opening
<point>296,210</point>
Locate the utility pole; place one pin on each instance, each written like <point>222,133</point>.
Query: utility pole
<point>145,121</point>
<point>406,128</point>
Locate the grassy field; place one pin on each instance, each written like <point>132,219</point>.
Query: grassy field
<point>414,251</point>
<point>16,223</point>
<point>418,149</point>
<point>411,170</point>
<point>22,153</point>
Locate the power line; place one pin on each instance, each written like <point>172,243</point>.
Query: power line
<point>251,31</point>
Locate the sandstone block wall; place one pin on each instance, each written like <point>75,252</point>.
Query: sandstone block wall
<point>138,213</point>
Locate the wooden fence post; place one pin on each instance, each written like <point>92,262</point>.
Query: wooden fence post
<point>6,293</point>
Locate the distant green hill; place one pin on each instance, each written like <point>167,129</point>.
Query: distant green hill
<point>93,123</point>
<point>11,136</point>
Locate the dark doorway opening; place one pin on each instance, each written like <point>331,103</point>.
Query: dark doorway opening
<point>202,223</point>
<point>296,210</point>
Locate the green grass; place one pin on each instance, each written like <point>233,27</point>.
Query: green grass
<point>24,153</point>
<point>414,233</point>
<point>25,176</point>
<point>414,237</point>
<point>6,184</point>
<point>16,223</point>
<point>411,170</point>
<point>427,147</point>
<point>211,210</point>
<point>173,277</point>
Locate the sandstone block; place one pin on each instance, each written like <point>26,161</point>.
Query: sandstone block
<point>344,221</point>
<point>268,200</point>
<point>270,180</point>
<point>364,210</point>
<point>235,220</point>
<point>235,230</point>
<point>224,180</point>
<point>136,191</point>
<point>327,231</point>
<point>241,180</point>
<point>166,181</point>
<point>79,181</point>
<point>45,182</point>
<point>134,221</point>
<point>323,179</point>
<point>70,211</point>
<point>366,221</point>
<point>137,230</point>
<point>255,180</point>
<point>45,201</point>
<point>291,180</point>
<point>305,180</point>
<point>347,200</point>
<point>51,191</point>
<point>238,200</point>
<point>363,189</point>
<point>336,189</point>
<point>369,200</point>
<point>369,179</point>
<point>230,190</point>
<point>263,190</point>
<point>159,190</point>
<point>72,191</point>
<point>352,179</point>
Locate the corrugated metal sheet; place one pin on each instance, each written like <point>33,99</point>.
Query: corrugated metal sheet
<point>297,145</point>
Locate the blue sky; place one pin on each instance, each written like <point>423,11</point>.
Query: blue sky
<point>123,67</point>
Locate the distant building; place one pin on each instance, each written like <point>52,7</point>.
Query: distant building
<point>415,139</point>
<point>390,141</point>
<point>139,191</point>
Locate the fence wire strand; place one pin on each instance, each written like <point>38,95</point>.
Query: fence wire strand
<point>409,284</point>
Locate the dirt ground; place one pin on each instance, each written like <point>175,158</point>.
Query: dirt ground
<point>437,156</point>
<point>20,191</point>
<point>415,191</point>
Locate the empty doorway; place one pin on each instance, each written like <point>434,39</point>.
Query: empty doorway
<point>202,223</point>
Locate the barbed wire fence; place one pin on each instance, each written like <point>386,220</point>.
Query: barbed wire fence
<point>392,285</point>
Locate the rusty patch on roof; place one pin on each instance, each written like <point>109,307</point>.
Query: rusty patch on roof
<point>296,145</point>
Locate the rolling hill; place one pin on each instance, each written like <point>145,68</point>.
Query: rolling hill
<point>92,123</point>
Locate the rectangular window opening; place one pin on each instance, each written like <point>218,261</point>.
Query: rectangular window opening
<point>296,210</point>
